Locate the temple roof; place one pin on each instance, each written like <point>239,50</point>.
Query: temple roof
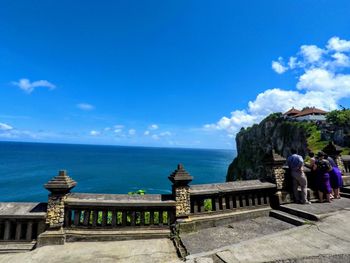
<point>310,111</point>
<point>292,112</point>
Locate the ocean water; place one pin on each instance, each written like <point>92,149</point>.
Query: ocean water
<point>26,167</point>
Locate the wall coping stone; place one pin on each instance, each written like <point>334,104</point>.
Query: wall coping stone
<point>124,200</point>
<point>236,186</point>
<point>22,210</point>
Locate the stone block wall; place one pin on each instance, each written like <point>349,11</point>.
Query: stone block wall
<point>55,211</point>
<point>182,197</point>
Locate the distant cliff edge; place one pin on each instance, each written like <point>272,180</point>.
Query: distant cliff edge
<point>276,132</point>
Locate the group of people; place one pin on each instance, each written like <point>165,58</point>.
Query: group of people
<point>325,176</point>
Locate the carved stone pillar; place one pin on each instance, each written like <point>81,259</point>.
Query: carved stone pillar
<point>276,173</point>
<point>59,187</point>
<point>181,191</point>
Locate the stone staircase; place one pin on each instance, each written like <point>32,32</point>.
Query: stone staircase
<point>15,247</point>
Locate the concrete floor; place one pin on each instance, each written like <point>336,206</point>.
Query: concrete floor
<point>145,251</point>
<point>330,237</point>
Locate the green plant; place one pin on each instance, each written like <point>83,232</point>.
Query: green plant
<point>208,205</point>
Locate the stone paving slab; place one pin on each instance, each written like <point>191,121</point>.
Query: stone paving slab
<point>231,234</point>
<point>134,251</point>
<point>329,237</point>
<point>320,209</point>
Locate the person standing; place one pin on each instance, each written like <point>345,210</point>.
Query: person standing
<point>323,177</point>
<point>296,165</point>
<point>335,177</point>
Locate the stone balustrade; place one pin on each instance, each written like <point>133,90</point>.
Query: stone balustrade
<point>112,211</point>
<point>21,221</point>
<point>208,198</point>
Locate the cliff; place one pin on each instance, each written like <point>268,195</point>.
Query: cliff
<point>274,132</point>
<point>281,134</point>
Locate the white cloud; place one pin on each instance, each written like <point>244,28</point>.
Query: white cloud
<point>155,137</point>
<point>321,83</point>
<point>5,127</point>
<point>153,127</point>
<point>166,133</point>
<point>278,66</point>
<point>340,60</point>
<point>118,130</point>
<point>94,133</point>
<point>132,132</point>
<point>85,106</point>
<point>311,53</point>
<point>339,45</point>
<point>27,86</point>
<point>146,133</point>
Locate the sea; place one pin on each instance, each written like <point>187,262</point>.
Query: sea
<point>26,167</point>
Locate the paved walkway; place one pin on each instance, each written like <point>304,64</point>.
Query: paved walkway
<point>145,251</point>
<point>232,234</point>
<point>329,237</point>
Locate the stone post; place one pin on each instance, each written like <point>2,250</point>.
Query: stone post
<point>276,173</point>
<point>59,187</point>
<point>181,191</point>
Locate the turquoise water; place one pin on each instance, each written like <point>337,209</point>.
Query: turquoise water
<point>25,167</point>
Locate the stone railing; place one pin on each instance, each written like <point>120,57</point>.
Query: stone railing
<point>346,162</point>
<point>209,198</point>
<point>111,211</point>
<point>21,222</point>
<point>71,217</point>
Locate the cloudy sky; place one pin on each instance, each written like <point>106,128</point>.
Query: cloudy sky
<point>166,73</point>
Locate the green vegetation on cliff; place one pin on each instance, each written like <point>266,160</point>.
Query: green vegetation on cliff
<point>339,117</point>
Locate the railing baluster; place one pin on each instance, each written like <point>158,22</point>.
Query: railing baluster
<point>104,218</point>
<point>195,206</point>
<point>223,202</point>
<point>76,217</point>
<point>237,201</point>
<point>142,219</point>
<point>160,217</point>
<point>94,218</point>
<point>67,217</point>
<point>201,205</point>
<point>7,230</point>
<point>249,200</point>
<point>230,198</point>
<point>133,218</point>
<point>262,201</point>
<point>256,202</point>
<point>86,217</point>
<point>18,231</point>
<point>29,231</point>
<point>114,218</point>
<point>124,218</point>
<point>216,204</point>
<point>151,217</point>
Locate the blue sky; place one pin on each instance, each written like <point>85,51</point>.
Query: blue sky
<point>165,73</point>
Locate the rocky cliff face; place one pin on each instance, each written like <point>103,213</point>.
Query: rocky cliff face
<point>256,142</point>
